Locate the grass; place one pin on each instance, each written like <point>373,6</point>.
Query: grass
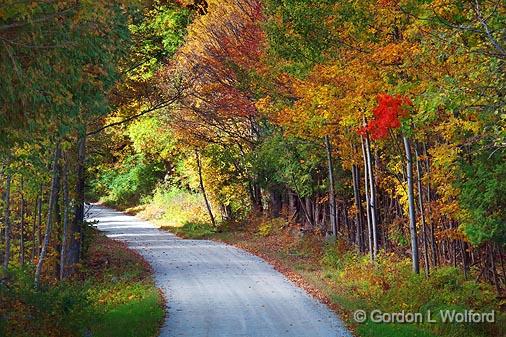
<point>113,295</point>
<point>192,230</point>
<point>125,297</point>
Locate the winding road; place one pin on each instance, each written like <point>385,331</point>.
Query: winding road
<point>216,290</point>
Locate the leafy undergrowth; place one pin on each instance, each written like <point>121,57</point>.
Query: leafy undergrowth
<point>113,295</point>
<point>348,281</point>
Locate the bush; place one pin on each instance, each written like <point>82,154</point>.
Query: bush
<point>270,226</point>
<point>171,207</point>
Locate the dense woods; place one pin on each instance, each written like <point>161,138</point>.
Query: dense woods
<point>379,123</point>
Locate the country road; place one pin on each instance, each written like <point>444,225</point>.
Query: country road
<point>216,290</point>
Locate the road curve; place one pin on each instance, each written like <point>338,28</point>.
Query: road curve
<point>216,290</point>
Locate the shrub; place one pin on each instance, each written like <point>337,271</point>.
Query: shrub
<point>172,207</point>
<point>270,226</point>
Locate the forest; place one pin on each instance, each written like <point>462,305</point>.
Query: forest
<point>367,139</point>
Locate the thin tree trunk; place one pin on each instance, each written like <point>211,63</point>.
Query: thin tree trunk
<point>411,201</point>
<point>257,191</point>
<point>63,254</point>
<point>372,197</point>
<point>292,207</point>
<point>52,203</point>
<point>356,193</point>
<point>22,225</point>
<point>432,226</point>
<point>34,229</point>
<point>332,196</point>
<point>251,194</point>
<point>422,212</point>
<point>309,212</point>
<point>464,258</point>
<point>494,269</point>
<point>202,189</point>
<point>75,227</point>
<point>377,205</point>
<point>7,220</point>
<point>368,208</point>
<point>305,210</point>
<point>39,222</point>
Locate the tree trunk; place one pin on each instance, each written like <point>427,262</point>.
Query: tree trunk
<point>7,221</point>
<point>358,204</point>
<point>276,201</point>
<point>464,258</point>
<point>75,228</point>
<point>422,212</point>
<point>494,269</point>
<point>368,209</point>
<point>411,201</point>
<point>202,189</point>
<point>309,212</point>
<point>332,196</point>
<point>257,191</point>
<point>63,253</point>
<point>305,211</point>
<point>292,206</point>
<point>22,226</point>
<point>431,222</point>
<point>372,197</point>
<point>34,229</point>
<point>52,203</point>
<point>39,222</point>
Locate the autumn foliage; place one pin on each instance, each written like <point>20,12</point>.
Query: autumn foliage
<point>387,115</point>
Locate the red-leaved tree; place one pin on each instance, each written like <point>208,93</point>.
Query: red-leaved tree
<point>387,115</point>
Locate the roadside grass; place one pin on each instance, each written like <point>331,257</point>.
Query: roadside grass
<point>126,298</point>
<point>192,230</point>
<point>348,281</point>
<point>113,295</point>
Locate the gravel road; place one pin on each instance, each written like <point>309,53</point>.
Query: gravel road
<point>217,290</point>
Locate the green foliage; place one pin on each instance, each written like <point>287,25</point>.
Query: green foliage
<point>483,198</point>
<point>290,161</point>
<point>158,32</point>
<point>226,176</point>
<point>126,185</point>
<point>149,138</point>
<point>297,32</point>
<point>333,258</point>
<point>49,87</point>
